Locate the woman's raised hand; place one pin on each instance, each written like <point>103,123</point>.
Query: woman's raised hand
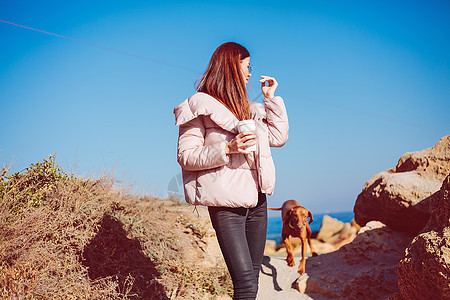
<point>268,91</point>
<point>241,142</point>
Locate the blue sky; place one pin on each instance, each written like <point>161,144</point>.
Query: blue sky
<point>363,81</point>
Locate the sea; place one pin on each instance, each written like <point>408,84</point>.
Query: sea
<point>275,224</point>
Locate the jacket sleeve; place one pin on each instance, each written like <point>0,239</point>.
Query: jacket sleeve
<point>277,121</point>
<point>193,154</point>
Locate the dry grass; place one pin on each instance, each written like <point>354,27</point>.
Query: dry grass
<point>67,237</point>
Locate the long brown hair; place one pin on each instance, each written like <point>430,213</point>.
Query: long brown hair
<point>224,80</point>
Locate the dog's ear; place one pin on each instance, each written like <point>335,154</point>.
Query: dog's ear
<point>310,217</point>
<point>289,213</point>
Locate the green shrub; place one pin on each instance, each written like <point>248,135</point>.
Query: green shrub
<point>29,187</point>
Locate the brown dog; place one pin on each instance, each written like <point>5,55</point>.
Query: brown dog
<point>295,223</point>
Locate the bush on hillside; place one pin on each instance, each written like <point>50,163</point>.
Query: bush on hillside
<point>47,217</point>
<point>62,236</point>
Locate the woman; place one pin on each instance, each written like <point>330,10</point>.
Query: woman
<point>219,172</point>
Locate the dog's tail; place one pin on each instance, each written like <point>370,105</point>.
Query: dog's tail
<point>271,208</point>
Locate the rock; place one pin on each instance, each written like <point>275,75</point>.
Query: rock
<point>355,225</point>
<point>270,247</point>
<point>364,269</point>
<point>399,197</point>
<point>330,226</point>
<point>440,208</point>
<point>301,283</point>
<point>322,247</point>
<point>335,232</point>
<point>371,225</point>
<point>344,236</point>
<point>424,272</point>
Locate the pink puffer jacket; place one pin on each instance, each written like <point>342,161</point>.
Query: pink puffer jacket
<point>213,178</point>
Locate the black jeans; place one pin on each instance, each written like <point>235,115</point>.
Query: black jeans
<point>241,233</point>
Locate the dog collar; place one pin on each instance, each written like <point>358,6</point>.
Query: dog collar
<point>290,225</point>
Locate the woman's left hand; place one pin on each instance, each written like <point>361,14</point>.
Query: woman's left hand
<point>268,91</point>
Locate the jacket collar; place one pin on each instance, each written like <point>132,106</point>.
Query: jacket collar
<point>203,104</point>
<point>206,105</point>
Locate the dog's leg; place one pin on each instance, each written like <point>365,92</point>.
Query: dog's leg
<point>290,254</point>
<point>308,236</point>
<point>301,267</point>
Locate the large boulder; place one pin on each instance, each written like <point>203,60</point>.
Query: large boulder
<point>424,272</point>
<point>364,269</point>
<point>399,197</point>
<point>335,232</point>
<point>330,227</point>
